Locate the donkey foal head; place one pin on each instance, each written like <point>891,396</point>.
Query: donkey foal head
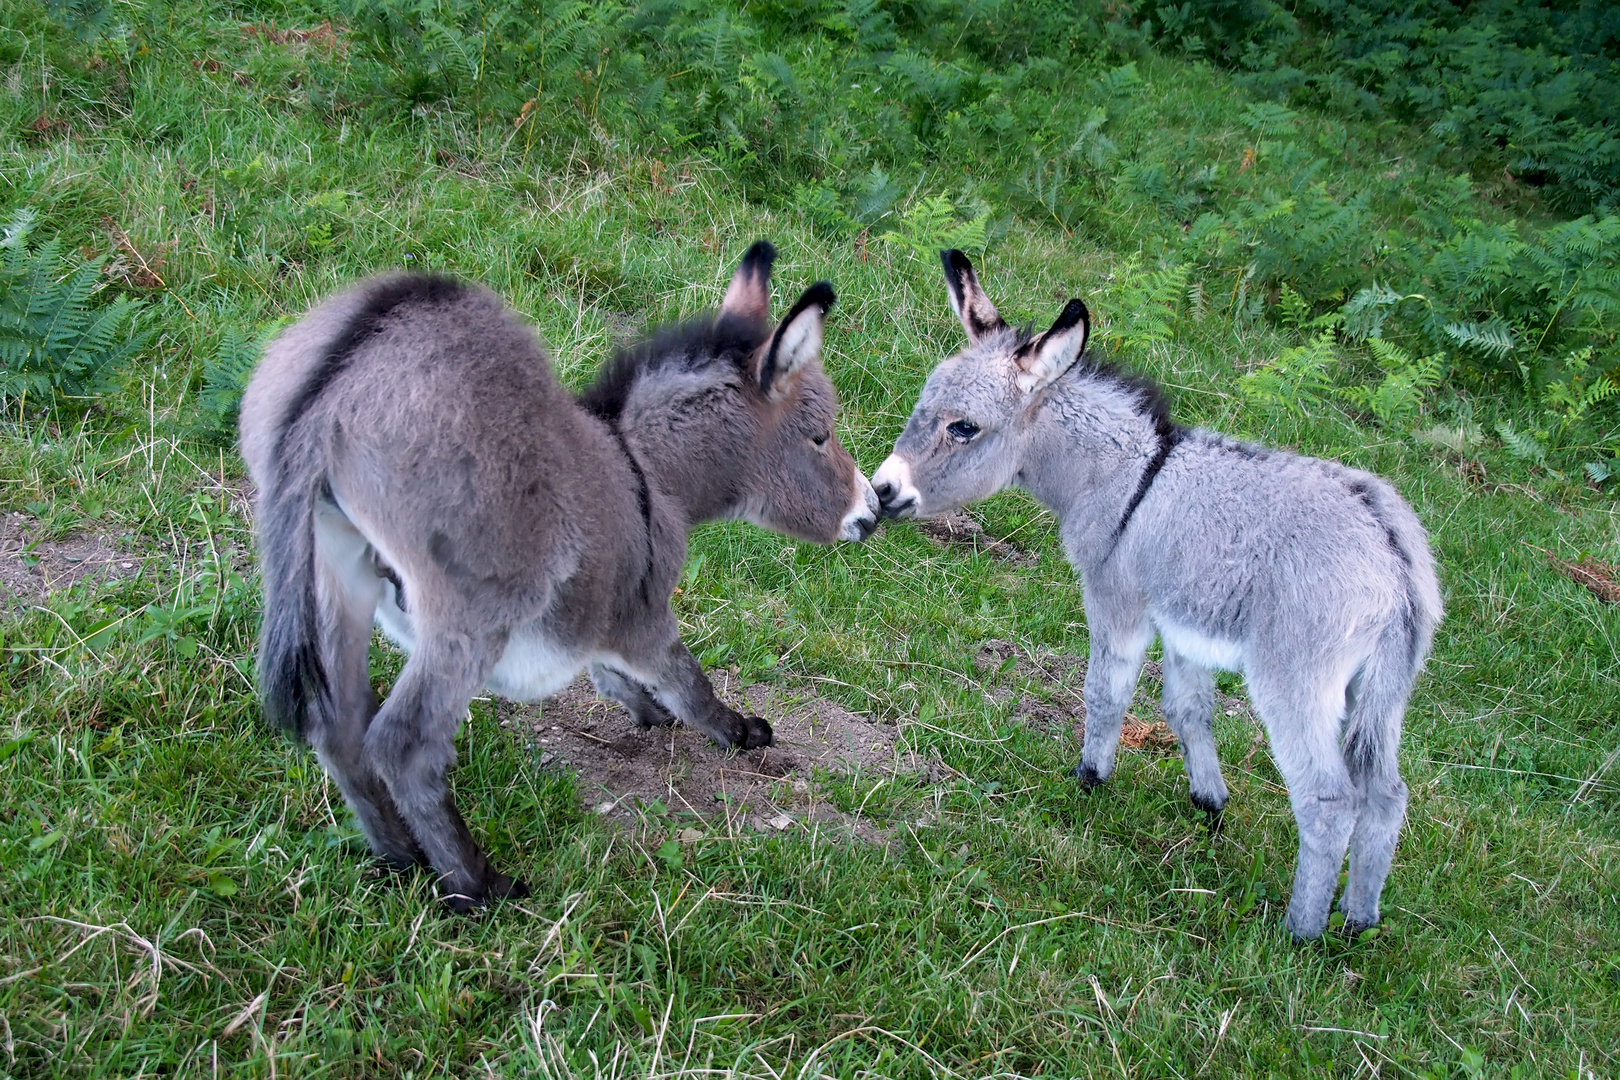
<point>965,437</point>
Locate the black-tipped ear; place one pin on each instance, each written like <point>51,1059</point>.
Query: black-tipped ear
<point>1054,352</point>
<point>979,316</point>
<point>749,296</point>
<point>797,341</point>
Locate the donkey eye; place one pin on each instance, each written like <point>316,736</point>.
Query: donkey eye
<point>963,430</point>
<point>821,440</point>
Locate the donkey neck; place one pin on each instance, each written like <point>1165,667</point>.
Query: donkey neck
<point>690,452</point>
<point>1092,451</point>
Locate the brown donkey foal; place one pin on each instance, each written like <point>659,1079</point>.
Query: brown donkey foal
<point>419,466</point>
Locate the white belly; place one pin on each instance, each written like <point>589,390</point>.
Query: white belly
<point>1200,648</point>
<point>532,667</point>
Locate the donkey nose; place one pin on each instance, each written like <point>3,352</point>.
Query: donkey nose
<point>885,491</point>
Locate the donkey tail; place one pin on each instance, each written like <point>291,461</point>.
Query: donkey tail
<point>292,677</point>
<point>1377,694</point>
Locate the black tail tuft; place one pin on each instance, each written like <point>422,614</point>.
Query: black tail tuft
<point>292,677</point>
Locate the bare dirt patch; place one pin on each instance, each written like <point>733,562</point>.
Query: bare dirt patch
<point>1045,691</point>
<point>773,789</point>
<point>958,530</point>
<point>32,568</point>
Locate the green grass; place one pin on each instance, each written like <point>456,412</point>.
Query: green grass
<point>183,894</point>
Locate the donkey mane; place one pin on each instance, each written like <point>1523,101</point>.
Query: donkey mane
<point>691,346</point>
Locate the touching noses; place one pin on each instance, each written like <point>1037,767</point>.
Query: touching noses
<point>896,495</point>
<point>862,519</point>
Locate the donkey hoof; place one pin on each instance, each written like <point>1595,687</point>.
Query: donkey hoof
<point>651,714</point>
<point>756,733</point>
<point>498,887</point>
<point>503,887</point>
<point>1088,776</point>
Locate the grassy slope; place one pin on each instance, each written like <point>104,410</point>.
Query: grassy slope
<point>151,802</point>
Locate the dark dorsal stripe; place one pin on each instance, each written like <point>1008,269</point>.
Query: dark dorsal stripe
<point>383,302</point>
<point>643,500</point>
<point>1169,435</point>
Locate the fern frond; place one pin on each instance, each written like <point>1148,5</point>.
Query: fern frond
<point>1494,339</point>
<point>1521,445</point>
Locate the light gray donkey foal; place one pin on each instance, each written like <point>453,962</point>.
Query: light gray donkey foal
<point>1313,579</point>
<point>419,466</point>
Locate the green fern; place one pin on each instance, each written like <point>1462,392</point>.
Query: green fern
<point>1297,381</point>
<point>932,224</point>
<point>57,342</point>
<point>1398,398</point>
<point>1522,445</point>
<point>225,376</point>
<point>1494,338</point>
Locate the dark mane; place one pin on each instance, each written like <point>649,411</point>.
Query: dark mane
<point>694,345</point>
<point>1150,396</point>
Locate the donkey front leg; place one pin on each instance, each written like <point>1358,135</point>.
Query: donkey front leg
<point>411,744</point>
<point>1189,709</point>
<point>643,707</point>
<point>677,681</point>
<point>1111,673</point>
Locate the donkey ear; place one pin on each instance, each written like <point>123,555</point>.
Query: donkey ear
<point>979,316</point>
<point>796,343</point>
<point>749,297</point>
<point>1054,352</point>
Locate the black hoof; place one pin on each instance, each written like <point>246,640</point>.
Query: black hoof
<point>1214,813</point>
<point>756,733</point>
<point>652,715</point>
<point>1087,776</point>
<point>499,887</point>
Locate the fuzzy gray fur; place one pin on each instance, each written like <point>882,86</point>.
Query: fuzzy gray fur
<point>418,465</point>
<point>1313,579</point>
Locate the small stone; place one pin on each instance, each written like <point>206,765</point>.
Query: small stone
<point>126,565</point>
<point>780,822</point>
<point>606,806</point>
<point>547,758</point>
<point>689,836</point>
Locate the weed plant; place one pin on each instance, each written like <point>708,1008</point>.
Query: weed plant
<point>183,893</point>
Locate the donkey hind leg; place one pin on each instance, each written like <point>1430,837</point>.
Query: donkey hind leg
<point>676,680</point>
<point>644,708</point>
<point>347,592</point>
<point>411,744</point>
<point>1377,701</point>
<point>1189,709</point>
<point>1111,675</point>
<point>1302,715</point>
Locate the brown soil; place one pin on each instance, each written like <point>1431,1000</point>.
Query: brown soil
<point>622,768</point>
<point>958,530</point>
<point>27,575</point>
<point>1044,689</point>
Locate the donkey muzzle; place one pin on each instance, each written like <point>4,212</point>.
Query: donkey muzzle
<point>897,496</point>
<point>862,519</point>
